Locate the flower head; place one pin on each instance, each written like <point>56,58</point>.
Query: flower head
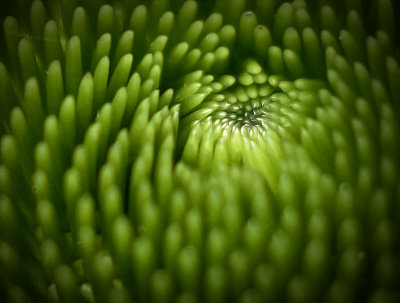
<point>214,151</point>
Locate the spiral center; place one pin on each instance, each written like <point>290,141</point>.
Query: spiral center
<point>237,119</point>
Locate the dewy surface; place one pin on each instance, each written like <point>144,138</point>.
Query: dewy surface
<point>200,151</point>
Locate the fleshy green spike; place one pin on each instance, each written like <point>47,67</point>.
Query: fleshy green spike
<point>27,59</point>
<point>262,41</point>
<point>354,23</point>
<point>266,10</point>
<point>194,32</point>
<point>51,137</point>
<point>138,125</point>
<point>385,16</point>
<point>187,13</point>
<point>54,87</point>
<point>292,41</point>
<point>100,79</point>
<point>81,163</point>
<point>374,50</point>
<point>312,52</point>
<point>393,71</point>
<point>329,20</point>
<point>138,23</point>
<point>227,35</point>
<point>232,12</point>
<point>52,45</point>
<point>106,20</point>
<point>38,18</point>
<point>213,23</point>
<point>66,282</point>
<point>80,27</point>
<point>11,36</point>
<point>6,92</point>
<point>143,262</point>
<point>351,47</point>
<point>111,208</point>
<point>118,106</point>
<point>161,285</point>
<point>103,272</point>
<point>209,42</point>
<point>102,49</point>
<point>158,44</point>
<point>47,217</point>
<point>188,265</point>
<point>121,74</point>
<point>122,236</point>
<point>67,126</point>
<point>346,72</point>
<point>118,157</point>
<point>293,64</point>
<point>384,42</point>
<point>328,40</point>
<point>33,104</point>
<point>166,23</point>
<point>247,24</point>
<point>283,19</point>
<point>138,18</point>
<point>144,66</point>
<point>73,65</point>
<point>84,103</point>
<point>133,90</point>
<point>275,60</point>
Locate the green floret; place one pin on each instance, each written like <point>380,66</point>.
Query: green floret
<point>200,151</point>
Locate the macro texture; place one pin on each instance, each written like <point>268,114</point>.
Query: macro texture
<point>200,151</point>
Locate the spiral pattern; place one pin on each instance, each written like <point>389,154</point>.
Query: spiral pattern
<point>200,151</point>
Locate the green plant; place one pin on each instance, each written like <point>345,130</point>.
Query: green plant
<point>209,151</point>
